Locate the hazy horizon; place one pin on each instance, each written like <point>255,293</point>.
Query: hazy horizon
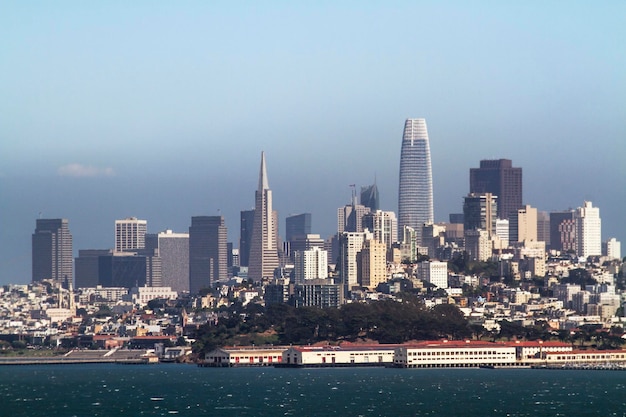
<point>161,111</point>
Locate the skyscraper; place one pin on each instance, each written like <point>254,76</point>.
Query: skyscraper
<point>173,249</point>
<point>562,231</point>
<point>479,212</point>
<point>130,234</point>
<point>370,197</point>
<point>207,252</point>
<point>245,236</point>
<point>499,178</point>
<point>415,196</point>
<point>264,245</point>
<point>52,251</point>
<point>297,225</point>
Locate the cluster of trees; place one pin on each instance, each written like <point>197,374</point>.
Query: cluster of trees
<point>381,321</point>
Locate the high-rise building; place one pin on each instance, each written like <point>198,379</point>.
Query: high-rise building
<point>612,249</point>
<point>87,267</point>
<point>588,230</point>
<point>434,272</point>
<point>499,178</point>
<point>207,252</point>
<point>370,197</point>
<point>173,249</point>
<point>130,234</point>
<point>480,212</point>
<point>383,225</point>
<point>372,263</point>
<point>523,224</point>
<point>562,231</point>
<point>310,264</point>
<point>415,195</point>
<point>502,231</point>
<point>245,236</point>
<point>350,244</point>
<point>52,251</point>
<point>297,225</point>
<point>264,258</point>
<point>350,217</point>
<point>543,227</point>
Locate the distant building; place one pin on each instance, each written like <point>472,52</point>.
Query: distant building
<point>562,231</point>
<point>523,224</point>
<point>372,263</point>
<point>310,264</point>
<point>478,244</point>
<point>501,179</point>
<point>502,230</point>
<point>350,244</point>
<point>297,225</point>
<point>245,236</point>
<point>207,252</point>
<point>612,249</point>
<point>87,267</point>
<point>370,197</point>
<point>383,225</point>
<point>588,230</point>
<point>543,227</point>
<point>173,249</point>
<point>434,272</point>
<point>52,256</point>
<point>128,270</point>
<point>480,211</point>
<point>264,257</point>
<point>130,234</point>
<point>350,217</point>
<point>415,193</point>
<point>143,295</point>
<point>322,293</point>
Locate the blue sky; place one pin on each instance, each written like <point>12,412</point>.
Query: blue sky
<point>161,110</point>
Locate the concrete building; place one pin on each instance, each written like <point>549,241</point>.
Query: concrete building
<point>322,293</point>
<point>523,224</point>
<point>588,230</point>
<point>562,231</point>
<point>612,249</point>
<point>130,234</point>
<point>264,257</point>
<point>480,211</point>
<point>207,252</point>
<point>372,263</point>
<point>331,356</point>
<point>310,264</point>
<point>173,249</point>
<point>52,256</point>
<point>501,179</point>
<point>543,227</point>
<point>415,193</point>
<point>454,354</point>
<point>351,243</point>
<point>478,244</point>
<point>143,295</point>
<point>305,242</point>
<point>433,272</point>
<point>350,217</point>
<point>502,230</point>
<point>383,225</point>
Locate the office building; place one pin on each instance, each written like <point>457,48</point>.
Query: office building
<point>322,293</point>
<point>350,244</point>
<point>480,212</point>
<point>87,267</point>
<point>383,225</point>
<point>128,270</point>
<point>543,227</point>
<point>502,231</point>
<point>370,197</point>
<point>245,236</point>
<point>415,195</point>
<point>350,217</point>
<point>588,230</point>
<point>52,251</point>
<point>173,249</point>
<point>264,258</point>
<point>501,179</point>
<point>207,252</point>
<point>130,234</point>
<point>297,225</point>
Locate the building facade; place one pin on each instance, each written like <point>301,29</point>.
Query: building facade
<point>310,264</point>
<point>415,195</point>
<point>173,249</point>
<point>207,252</point>
<point>480,211</point>
<point>588,230</point>
<point>130,234</point>
<point>501,179</point>
<point>264,259</point>
<point>52,251</point>
<point>523,224</point>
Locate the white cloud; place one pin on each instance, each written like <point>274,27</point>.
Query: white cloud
<point>79,170</point>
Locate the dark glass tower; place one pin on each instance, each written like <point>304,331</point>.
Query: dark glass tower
<point>499,178</point>
<point>415,196</point>
<point>207,252</point>
<point>370,197</point>
<point>52,251</point>
<point>245,236</point>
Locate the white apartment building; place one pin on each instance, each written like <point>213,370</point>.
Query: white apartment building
<point>130,234</point>
<point>588,230</point>
<point>310,264</point>
<point>434,272</point>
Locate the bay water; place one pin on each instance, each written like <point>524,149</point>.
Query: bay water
<point>186,390</point>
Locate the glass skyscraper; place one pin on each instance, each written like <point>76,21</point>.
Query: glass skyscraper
<point>415,196</point>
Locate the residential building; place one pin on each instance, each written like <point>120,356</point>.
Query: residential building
<point>562,231</point>
<point>415,195</point>
<point>310,264</point>
<point>351,243</point>
<point>543,227</point>
<point>588,230</point>
<point>523,224</point>
<point>383,225</point>
<point>322,293</point>
<point>372,263</point>
<point>433,272</point>
<point>612,249</point>
<point>480,211</point>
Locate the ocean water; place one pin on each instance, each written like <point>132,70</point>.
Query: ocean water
<point>186,390</point>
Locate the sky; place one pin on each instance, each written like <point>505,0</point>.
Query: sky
<point>160,110</point>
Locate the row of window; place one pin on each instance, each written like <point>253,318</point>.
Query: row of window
<point>459,353</point>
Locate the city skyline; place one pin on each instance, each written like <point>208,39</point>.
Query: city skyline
<point>116,111</point>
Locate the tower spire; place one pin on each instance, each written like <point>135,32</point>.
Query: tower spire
<point>263,182</point>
